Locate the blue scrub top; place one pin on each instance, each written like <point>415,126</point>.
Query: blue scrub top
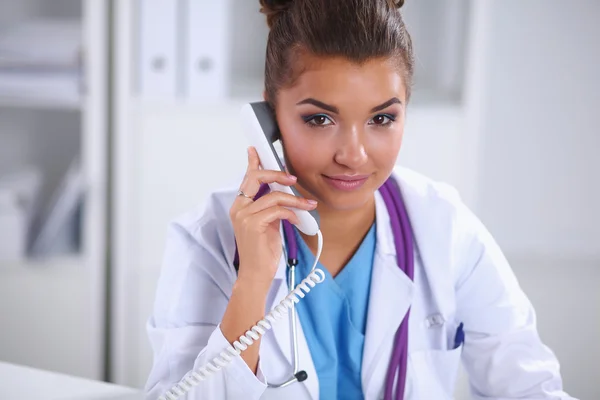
<point>334,318</point>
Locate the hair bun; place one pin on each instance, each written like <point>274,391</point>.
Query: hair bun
<point>273,9</point>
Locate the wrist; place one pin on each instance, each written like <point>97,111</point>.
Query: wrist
<point>253,283</point>
<point>246,307</point>
<point>256,288</point>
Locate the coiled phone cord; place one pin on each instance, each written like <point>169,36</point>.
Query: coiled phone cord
<point>194,378</point>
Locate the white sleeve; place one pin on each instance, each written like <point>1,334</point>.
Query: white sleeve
<point>503,354</point>
<point>184,332</point>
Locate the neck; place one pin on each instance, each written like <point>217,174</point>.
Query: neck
<point>343,230</point>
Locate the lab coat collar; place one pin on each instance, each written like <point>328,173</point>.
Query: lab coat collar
<point>385,240</point>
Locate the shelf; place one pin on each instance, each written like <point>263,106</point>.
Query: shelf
<point>54,91</point>
<point>54,102</point>
<point>59,104</point>
<point>40,62</point>
<point>58,265</point>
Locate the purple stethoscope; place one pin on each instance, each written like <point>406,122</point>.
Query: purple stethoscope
<point>403,241</point>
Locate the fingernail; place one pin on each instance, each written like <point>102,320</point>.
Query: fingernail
<point>292,177</point>
<point>313,202</point>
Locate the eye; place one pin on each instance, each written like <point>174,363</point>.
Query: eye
<point>318,120</point>
<point>382,119</point>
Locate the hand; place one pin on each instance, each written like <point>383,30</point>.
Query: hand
<point>256,223</point>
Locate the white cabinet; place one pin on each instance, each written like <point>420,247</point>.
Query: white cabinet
<point>53,97</point>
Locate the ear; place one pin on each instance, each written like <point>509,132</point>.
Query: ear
<point>265,95</point>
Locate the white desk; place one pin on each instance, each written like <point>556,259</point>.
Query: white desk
<point>20,383</point>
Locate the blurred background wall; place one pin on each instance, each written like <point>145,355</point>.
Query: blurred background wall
<point>116,116</point>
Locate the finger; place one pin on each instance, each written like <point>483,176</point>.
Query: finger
<point>249,187</point>
<point>255,178</point>
<point>273,214</point>
<point>253,165</point>
<point>281,199</point>
<point>253,159</point>
<point>271,176</point>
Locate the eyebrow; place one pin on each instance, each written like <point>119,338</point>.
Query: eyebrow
<point>335,110</point>
<point>393,100</point>
<point>319,104</point>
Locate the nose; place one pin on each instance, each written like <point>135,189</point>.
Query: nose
<point>351,149</point>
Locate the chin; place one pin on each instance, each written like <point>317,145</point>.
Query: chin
<point>346,201</point>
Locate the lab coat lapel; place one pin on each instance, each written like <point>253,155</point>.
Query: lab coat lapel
<point>280,328</point>
<point>282,332</point>
<point>428,216</point>
<point>391,295</point>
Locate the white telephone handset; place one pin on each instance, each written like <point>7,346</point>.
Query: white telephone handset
<point>261,131</point>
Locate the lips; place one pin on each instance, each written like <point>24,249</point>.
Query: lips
<point>346,183</point>
<point>347,178</point>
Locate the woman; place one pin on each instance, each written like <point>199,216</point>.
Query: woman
<point>338,77</point>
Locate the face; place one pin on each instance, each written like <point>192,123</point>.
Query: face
<point>342,126</point>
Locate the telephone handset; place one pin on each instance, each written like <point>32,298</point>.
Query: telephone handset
<point>260,127</point>
<point>261,130</point>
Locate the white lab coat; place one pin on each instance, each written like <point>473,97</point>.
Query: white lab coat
<point>460,276</point>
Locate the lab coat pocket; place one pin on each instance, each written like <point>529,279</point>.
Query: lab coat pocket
<point>435,372</point>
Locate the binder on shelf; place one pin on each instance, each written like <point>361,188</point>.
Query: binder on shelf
<point>54,90</point>
<point>158,48</point>
<point>19,197</point>
<point>56,228</point>
<point>206,37</point>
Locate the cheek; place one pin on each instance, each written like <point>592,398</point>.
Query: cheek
<point>303,149</point>
<point>383,149</point>
<point>304,155</point>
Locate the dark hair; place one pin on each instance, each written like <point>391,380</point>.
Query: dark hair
<point>358,30</point>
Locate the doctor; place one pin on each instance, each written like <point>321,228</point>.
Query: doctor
<point>338,75</point>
